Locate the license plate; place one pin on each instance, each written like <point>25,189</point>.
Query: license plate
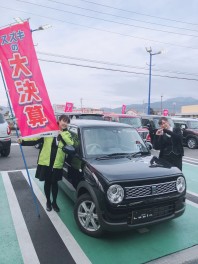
<point>142,216</point>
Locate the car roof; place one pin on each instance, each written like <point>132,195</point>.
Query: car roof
<point>77,114</point>
<point>155,116</point>
<point>96,123</point>
<point>121,115</point>
<point>183,119</point>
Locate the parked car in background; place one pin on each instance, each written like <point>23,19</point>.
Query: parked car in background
<point>134,121</point>
<point>5,138</point>
<point>77,115</point>
<point>151,122</point>
<point>189,127</point>
<point>115,182</point>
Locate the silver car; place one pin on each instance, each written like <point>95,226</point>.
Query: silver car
<point>5,138</point>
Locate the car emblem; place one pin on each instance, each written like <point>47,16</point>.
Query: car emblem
<point>154,189</point>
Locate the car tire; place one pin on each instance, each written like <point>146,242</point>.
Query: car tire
<point>5,152</point>
<point>86,216</point>
<point>191,143</point>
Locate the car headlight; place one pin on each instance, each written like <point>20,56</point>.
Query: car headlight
<point>115,193</point>
<point>180,184</point>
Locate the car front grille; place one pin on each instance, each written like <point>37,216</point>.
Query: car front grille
<point>163,211</point>
<point>150,190</point>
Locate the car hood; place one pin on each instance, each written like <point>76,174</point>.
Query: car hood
<point>135,168</point>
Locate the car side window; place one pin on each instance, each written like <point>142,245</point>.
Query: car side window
<point>74,134</point>
<point>145,122</point>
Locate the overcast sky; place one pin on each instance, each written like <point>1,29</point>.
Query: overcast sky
<point>111,32</point>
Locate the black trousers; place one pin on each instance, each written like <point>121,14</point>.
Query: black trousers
<point>174,160</point>
<point>50,186</point>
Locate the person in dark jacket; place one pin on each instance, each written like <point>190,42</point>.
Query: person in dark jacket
<point>169,141</point>
<point>50,160</point>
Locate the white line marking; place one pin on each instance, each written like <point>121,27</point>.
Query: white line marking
<point>190,164</point>
<point>186,157</point>
<point>27,249</point>
<point>187,160</point>
<point>69,241</point>
<point>191,203</point>
<point>192,193</point>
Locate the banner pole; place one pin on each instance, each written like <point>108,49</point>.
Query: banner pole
<point>23,156</point>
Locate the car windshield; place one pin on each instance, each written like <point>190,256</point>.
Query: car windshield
<point>133,121</point>
<point>2,120</point>
<point>112,140</point>
<point>156,120</point>
<point>193,124</point>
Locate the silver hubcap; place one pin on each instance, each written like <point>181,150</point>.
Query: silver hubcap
<point>87,216</point>
<point>191,143</point>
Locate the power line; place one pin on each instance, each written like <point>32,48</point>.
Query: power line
<point>137,20</point>
<point>141,14</point>
<point>111,63</point>
<point>101,30</point>
<point>106,20</point>
<point>117,70</point>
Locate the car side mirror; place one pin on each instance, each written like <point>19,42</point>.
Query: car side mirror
<point>183,126</point>
<point>148,145</point>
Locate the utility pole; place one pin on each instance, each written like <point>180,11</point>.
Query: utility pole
<point>81,104</point>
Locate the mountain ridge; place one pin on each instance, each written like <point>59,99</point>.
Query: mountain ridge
<point>172,104</point>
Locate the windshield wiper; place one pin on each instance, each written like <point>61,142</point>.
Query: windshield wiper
<point>133,155</point>
<point>113,155</point>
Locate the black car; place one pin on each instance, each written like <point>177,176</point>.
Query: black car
<point>189,128</point>
<point>115,182</point>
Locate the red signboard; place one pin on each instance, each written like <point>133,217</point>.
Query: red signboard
<point>165,112</point>
<point>25,84</point>
<point>123,109</point>
<point>69,107</point>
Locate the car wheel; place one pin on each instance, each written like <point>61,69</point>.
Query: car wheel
<point>86,216</point>
<point>192,143</point>
<point>5,152</point>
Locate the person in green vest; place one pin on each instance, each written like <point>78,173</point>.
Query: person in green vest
<point>50,160</point>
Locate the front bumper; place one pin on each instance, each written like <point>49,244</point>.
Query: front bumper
<point>141,216</point>
<point>5,143</point>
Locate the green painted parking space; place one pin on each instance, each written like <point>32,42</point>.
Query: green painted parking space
<point>133,246</point>
<point>191,174</point>
<point>10,251</point>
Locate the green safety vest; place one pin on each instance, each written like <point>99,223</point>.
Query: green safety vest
<point>45,153</point>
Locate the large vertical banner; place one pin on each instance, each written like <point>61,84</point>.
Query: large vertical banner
<point>68,107</point>
<point>123,109</point>
<point>25,84</point>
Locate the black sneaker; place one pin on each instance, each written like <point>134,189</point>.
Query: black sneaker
<point>48,207</point>
<point>55,207</point>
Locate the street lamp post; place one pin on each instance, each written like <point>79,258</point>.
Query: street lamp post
<point>149,50</point>
<point>41,28</point>
<point>174,104</point>
<point>161,103</point>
